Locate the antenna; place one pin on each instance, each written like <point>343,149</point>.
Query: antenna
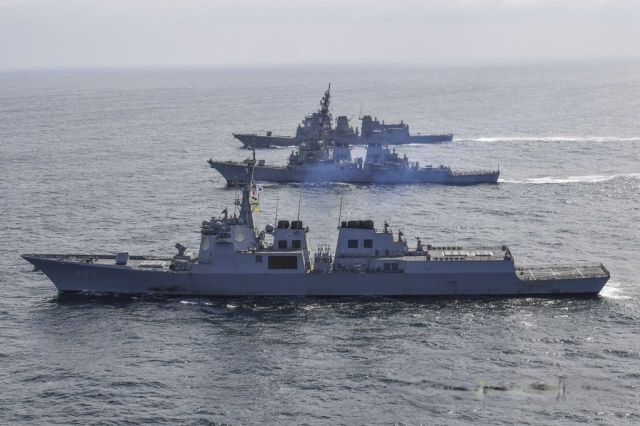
<point>340,215</point>
<point>236,202</point>
<point>277,199</point>
<point>360,113</point>
<point>248,187</point>
<point>300,198</point>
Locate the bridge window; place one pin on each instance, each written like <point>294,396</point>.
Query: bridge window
<point>296,244</point>
<point>368,244</point>
<point>282,244</point>
<point>352,243</point>
<point>283,262</point>
<point>387,267</point>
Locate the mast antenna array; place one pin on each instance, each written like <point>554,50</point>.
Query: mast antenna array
<point>340,215</point>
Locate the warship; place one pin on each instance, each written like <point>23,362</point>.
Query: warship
<point>313,125</point>
<point>236,259</point>
<point>322,161</point>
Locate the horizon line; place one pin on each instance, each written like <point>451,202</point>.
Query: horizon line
<point>444,63</point>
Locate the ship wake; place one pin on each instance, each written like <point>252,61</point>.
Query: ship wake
<point>516,139</point>
<point>571,179</point>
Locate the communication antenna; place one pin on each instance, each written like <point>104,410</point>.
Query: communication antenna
<point>236,202</point>
<point>249,206</point>
<point>277,199</point>
<point>300,198</point>
<point>360,113</point>
<point>340,215</point>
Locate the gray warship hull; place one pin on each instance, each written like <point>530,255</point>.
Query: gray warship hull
<point>235,258</point>
<point>265,141</point>
<point>75,273</point>
<point>394,139</point>
<point>234,173</point>
<point>318,125</point>
<point>430,138</point>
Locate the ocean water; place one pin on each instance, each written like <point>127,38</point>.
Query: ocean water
<point>115,160</point>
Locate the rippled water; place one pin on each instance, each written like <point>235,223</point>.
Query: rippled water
<point>116,160</point>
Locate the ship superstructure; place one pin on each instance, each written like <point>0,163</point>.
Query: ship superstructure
<point>313,125</point>
<point>319,125</point>
<point>321,162</point>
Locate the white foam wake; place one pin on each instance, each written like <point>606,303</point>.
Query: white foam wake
<point>556,139</point>
<point>613,291</point>
<point>571,179</point>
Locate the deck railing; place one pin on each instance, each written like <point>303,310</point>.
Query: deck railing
<point>88,257</point>
<point>559,265</point>
<point>475,172</point>
<point>590,270</point>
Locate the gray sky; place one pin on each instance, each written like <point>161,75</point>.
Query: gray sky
<point>113,33</point>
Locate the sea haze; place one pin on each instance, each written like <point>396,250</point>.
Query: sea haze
<point>106,161</point>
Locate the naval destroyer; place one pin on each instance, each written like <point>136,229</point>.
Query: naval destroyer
<point>313,125</point>
<point>237,259</point>
<point>324,162</point>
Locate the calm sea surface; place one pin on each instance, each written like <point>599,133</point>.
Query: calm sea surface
<point>96,161</point>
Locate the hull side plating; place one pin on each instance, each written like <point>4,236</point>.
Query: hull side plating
<point>264,141</point>
<point>234,172</point>
<point>441,279</point>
